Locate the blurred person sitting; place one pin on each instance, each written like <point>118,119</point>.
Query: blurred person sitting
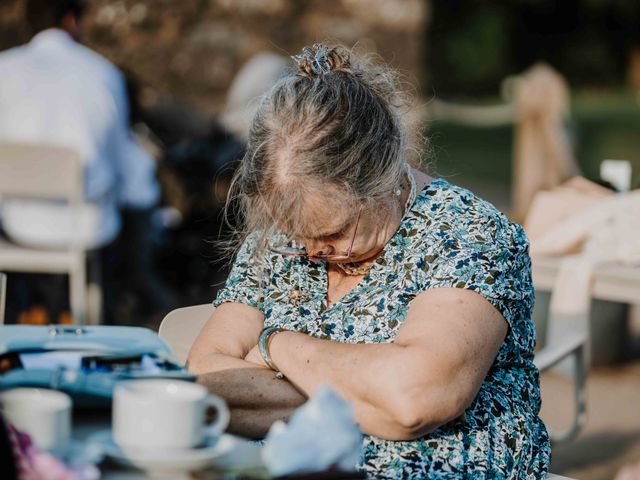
<point>253,80</point>
<point>55,90</point>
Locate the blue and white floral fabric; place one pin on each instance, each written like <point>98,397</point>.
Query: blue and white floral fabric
<point>448,238</point>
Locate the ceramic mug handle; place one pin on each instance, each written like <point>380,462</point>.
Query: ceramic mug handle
<point>222,419</point>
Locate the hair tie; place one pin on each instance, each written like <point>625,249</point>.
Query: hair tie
<point>316,57</point>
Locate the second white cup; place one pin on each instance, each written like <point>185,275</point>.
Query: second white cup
<point>44,414</point>
<point>165,414</point>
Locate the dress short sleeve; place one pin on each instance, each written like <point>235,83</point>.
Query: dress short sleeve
<point>473,246</point>
<point>245,283</point>
<point>500,272</point>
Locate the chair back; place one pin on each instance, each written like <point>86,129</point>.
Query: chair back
<point>181,326</point>
<point>40,171</point>
<point>3,295</point>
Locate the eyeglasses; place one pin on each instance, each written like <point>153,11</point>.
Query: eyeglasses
<point>301,252</point>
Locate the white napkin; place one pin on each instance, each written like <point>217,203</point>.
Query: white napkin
<point>320,434</point>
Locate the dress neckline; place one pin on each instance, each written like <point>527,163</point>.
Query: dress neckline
<point>382,259</point>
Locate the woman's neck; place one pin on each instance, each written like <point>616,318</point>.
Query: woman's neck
<point>395,217</point>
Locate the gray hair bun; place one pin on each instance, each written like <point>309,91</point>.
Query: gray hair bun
<point>319,59</point>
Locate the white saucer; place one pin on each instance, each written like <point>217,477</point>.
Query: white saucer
<point>176,460</point>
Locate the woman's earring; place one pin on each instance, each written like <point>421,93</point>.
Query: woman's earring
<point>397,191</point>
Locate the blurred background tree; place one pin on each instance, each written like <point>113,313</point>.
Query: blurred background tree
<point>472,45</point>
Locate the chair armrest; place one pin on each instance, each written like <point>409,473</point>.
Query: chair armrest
<point>559,350</point>
<point>572,345</point>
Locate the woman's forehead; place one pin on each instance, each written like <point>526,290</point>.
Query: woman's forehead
<point>324,212</point>
<point>324,225</point>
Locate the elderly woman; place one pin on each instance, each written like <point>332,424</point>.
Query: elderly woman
<point>411,297</point>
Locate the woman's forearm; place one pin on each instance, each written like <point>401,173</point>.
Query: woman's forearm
<point>379,394</point>
<point>250,423</point>
<point>245,384</point>
<point>256,398</point>
<point>216,362</point>
<point>354,370</point>
<point>251,387</point>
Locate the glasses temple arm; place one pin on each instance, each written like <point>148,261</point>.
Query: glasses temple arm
<point>355,232</point>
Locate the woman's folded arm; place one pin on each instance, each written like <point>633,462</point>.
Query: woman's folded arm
<point>255,397</point>
<point>400,390</point>
<point>426,378</point>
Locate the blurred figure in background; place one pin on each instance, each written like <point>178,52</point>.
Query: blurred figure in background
<point>54,90</point>
<point>253,80</point>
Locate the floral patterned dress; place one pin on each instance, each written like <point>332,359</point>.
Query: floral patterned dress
<point>447,238</point>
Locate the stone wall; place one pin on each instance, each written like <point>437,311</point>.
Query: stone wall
<point>191,49</point>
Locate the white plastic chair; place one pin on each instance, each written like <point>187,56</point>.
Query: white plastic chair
<point>47,172</point>
<point>180,327</point>
<point>568,338</point>
<point>564,337</point>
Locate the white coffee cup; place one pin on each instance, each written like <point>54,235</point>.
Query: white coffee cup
<point>165,414</point>
<point>43,414</point>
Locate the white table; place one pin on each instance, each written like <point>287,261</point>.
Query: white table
<point>86,423</point>
<point>611,282</point>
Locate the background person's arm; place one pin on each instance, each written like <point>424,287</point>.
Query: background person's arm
<point>133,168</point>
<point>426,378</point>
<point>255,397</point>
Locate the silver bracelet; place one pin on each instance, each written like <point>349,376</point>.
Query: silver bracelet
<point>263,346</point>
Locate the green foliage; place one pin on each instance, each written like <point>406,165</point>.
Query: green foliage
<point>477,52</point>
<point>472,45</point>
<point>603,125</point>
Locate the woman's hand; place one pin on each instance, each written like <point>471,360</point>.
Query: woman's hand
<point>227,361</point>
<point>254,356</point>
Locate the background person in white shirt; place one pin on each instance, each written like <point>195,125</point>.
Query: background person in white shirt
<point>55,90</point>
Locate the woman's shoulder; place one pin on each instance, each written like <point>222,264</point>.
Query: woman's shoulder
<point>445,209</point>
<point>464,241</point>
<point>444,200</point>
